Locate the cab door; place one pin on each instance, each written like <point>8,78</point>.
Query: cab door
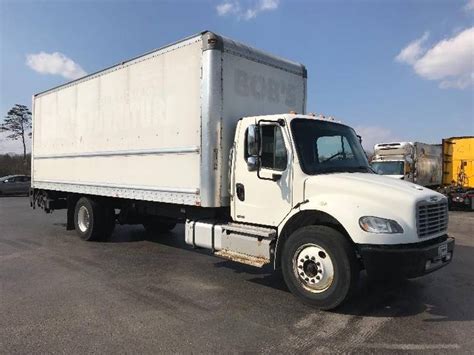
<point>263,196</point>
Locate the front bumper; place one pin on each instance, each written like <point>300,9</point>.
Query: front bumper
<point>407,260</point>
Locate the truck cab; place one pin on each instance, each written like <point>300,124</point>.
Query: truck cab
<point>309,179</point>
<point>394,160</point>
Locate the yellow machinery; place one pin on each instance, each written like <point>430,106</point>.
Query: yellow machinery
<point>458,161</point>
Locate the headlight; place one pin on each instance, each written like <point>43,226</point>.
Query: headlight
<point>379,225</point>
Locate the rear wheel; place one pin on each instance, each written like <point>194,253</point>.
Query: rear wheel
<point>92,220</point>
<point>319,266</point>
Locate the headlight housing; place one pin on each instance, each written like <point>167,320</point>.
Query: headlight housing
<point>373,224</point>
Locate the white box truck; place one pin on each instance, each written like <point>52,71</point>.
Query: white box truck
<point>417,162</point>
<point>212,133</point>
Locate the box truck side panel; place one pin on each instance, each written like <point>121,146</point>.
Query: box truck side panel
<point>131,129</point>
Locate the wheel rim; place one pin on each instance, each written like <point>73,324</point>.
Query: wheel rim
<point>313,267</point>
<point>83,219</point>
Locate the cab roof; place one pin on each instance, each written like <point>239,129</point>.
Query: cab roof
<point>292,116</point>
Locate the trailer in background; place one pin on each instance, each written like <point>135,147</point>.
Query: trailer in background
<point>416,162</point>
<point>446,167</point>
<point>458,171</point>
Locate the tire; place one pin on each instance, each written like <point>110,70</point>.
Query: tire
<point>92,220</point>
<point>157,226</point>
<point>320,267</point>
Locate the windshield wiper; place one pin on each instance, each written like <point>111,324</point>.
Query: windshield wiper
<point>331,170</point>
<point>345,169</point>
<point>360,168</point>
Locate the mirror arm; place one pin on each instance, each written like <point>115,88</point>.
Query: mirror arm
<point>276,177</point>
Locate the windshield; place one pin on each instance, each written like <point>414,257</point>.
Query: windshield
<point>388,167</point>
<point>325,147</point>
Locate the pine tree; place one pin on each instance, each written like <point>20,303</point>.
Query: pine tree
<point>18,123</point>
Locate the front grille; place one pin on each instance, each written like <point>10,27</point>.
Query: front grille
<point>431,218</point>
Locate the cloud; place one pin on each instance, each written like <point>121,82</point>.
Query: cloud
<point>55,63</point>
<point>248,12</point>
<point>226,8</point>
<point>450,61</point>
<point>469,5</point>
<point>411,53</point>
<point>372,135</point>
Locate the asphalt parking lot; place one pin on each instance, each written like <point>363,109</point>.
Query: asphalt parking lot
<point>148,294</point>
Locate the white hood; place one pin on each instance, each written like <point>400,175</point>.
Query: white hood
<point>349,196</point>
<point>399,177</point>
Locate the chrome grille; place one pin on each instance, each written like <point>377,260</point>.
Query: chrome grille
<point>431,218</point>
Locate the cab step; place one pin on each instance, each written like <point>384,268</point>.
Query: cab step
<point>245,229</point>
<point>242,258</point>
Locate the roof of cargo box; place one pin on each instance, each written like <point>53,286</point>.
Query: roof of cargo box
<point>243,50</point>
<point>214,41</point>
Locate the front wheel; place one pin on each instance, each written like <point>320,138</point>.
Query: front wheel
<point>319,266</point>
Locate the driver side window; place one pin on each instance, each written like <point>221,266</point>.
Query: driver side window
<point>274,155</point>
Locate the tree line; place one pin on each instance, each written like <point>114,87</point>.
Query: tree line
<point>17,125</point>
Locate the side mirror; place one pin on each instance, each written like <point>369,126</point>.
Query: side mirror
<point>252,163</point>
<point>253,141</point>
<point>360,139</point>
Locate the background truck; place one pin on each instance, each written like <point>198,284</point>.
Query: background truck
<point>417,162</point>
<point>458,171</point>
<point>447,167</point>
<point>199,132</point>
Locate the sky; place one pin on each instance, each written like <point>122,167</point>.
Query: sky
<point>394,70</point>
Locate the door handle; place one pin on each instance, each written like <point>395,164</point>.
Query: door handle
<point>240,190</point>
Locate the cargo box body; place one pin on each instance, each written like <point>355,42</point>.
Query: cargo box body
<point>159,127</point>
<point>428,164</point>
<point>458,161</point>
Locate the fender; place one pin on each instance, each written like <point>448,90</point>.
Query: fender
<point>305,214</point>
<point>341,209</point>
